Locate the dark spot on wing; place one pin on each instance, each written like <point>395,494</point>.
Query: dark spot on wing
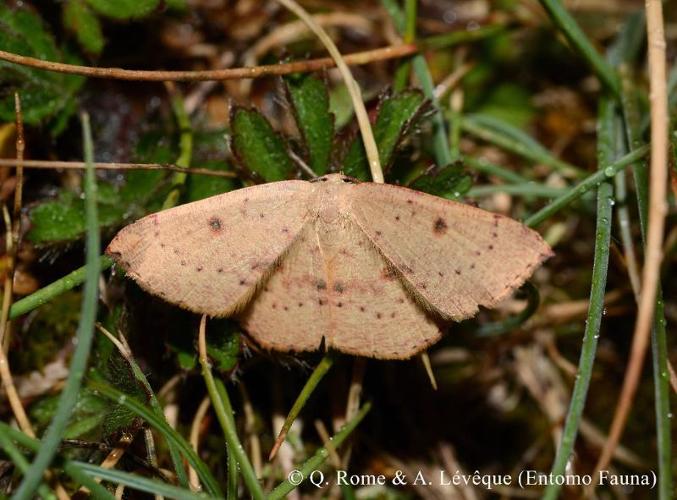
<point>441,274</point>
<point>440,226</point>
<point>379,315</point>
<point>219,270</point>
<point>215,225</point>
<point>199,268</point>
<point>339,287</point>
<point>321,302</point>
<point>397,217</point>
<point>362,309</point>
<point>490,247</point>
<point>243,282</point>
<point>300,304</point>
<point>183,262</point>
<point>339,304</point>
<point>320,284</point>
<point>458,272</point>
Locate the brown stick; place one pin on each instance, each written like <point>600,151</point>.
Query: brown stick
<point>357,58</point>
<point>80,165</point>
<point>654,240</point>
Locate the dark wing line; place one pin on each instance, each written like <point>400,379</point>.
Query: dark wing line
<point>408,286</point>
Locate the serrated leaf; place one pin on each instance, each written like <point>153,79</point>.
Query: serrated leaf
<point>310,102</point>
<point>80,19</point>
<point>63,220</point>
<point>124,9</point>
<point>395,115</point>
<point>258,147</point>
<point>223,344</point>
<point>449,182</point>
<point>44,95</point>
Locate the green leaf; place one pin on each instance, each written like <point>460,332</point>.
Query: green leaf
<point>63,220</point>
<point>223,344</point>
<point>80,19</point>
<point>258,147</point>
<point>44,95</point>
<point>124,9</point>
<point>396,114</point>
<point>310,102</point>
<point>88,414</point>
<point>449,182</point>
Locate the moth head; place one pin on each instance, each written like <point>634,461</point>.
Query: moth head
<point>336,179</point>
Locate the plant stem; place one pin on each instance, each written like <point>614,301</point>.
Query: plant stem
<point>318,374</point>
<point>321,454</point>
<point>224,413</point>
<point>163,428</point>
<point>47,293</point>
<point>574,34</point>
<point>605,201</point>
<point>85,333</point>
<point>586,185</point>
<point>502,134</point>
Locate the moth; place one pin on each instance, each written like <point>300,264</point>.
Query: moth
<point>369,269</point>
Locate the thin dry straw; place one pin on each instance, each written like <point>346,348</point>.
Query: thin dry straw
<point>353,88</point>
<point>654,233</point>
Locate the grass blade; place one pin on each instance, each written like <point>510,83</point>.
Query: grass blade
<point>318,374</point>
<point>224,413</point>
<point>22,464</point>
<point>52,437</point>
<point>70,468</point>
<point>47,293</point>
<point>160,425</point>
<point>139,483</point>
<point>514,140</point>
<point>586,185</point>
<point>605,201</point>
<point>574,34</point>
<point>321,455</point>
<point>659,345</point>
